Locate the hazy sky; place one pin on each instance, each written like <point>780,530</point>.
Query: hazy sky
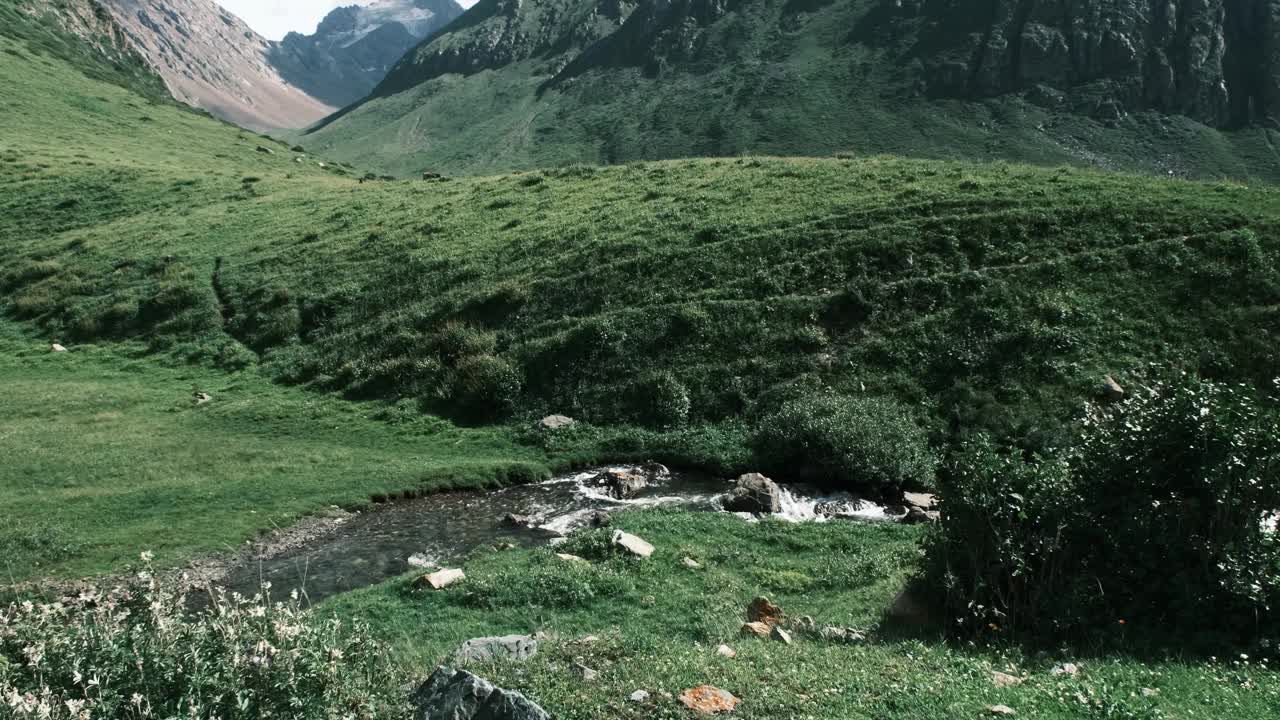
<point>274,18</point>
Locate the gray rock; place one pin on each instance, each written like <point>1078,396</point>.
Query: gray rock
<point>585,673</point>
<point>754,493</point>
<point>924,501</point>
<point>200,398</point>
<point>1111,390</point>
<point>632,544</point>
<point>621,485</point>
<point>909,609</point>
<point>266,150</point>
<point>550,422</point>
<point>640,696</point>
<point>915,516</point>
<point>460,695</point>
<point>57,348</point>
<point>516,521</point>
<point>488,649</point>
<point>654,470</point>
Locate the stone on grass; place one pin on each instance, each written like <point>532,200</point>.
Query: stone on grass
<point>763,610</point>
<point>572,558</point>
<point>57,348</point>
<point>708,700</point>
<point>460,695</point>
<point>1004,710</point>
<point>640,696</point>
<point>754,493</point>
<point>555,422</point>
<point>1004,680</point>
<point>726,651</point>
<point>756,629</point>
<point>504,546</point>
<point>1112,390</point>
<point>691,563</point>
<point>1068,669</point>
<point>442,579</point>
<point>909,609</point>
<point>266,150</point>
<point>488,649</point>
<point>585,673</point>
<point>599,519</point>
<point>632,544</point>
<point>841,635</point>
<point>200,398</point>
<point>780,635</point>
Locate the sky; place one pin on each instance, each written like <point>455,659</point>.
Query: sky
<point>273,19</point>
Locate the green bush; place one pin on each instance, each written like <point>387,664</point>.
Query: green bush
<point>1155,518</point>
<point>138,651</point>
<point>662,400</point>
<point>860,443</point>
<point>484,387</point>
<point>457,341</point>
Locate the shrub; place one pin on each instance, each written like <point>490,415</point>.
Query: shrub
<point>137,651</point>
<point>662,400</point>
<point>458,341</point>
<point>866,444</point>
<point>484,387</point>
<point>1155,517</point>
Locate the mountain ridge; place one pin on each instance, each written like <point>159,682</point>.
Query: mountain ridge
<point>561,81</point>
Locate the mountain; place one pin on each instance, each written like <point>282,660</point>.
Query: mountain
<point>355,46</point>
<point>1183,87</point>
<point>212,60</point>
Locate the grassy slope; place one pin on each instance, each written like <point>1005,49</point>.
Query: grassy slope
<point>660,623</point>
<point>991,296</point>
<point>104,454</point>
<point>114,211</point>
<point>765,80</point>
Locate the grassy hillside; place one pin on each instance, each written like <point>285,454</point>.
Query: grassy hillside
<point>104,450</point>
<point>552,82</point>
<point>671,305</point>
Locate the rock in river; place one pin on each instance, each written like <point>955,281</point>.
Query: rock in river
<point>754,493</point>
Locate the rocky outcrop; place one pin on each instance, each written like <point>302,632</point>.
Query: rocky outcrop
<point>1217,61</point>
<point>355,46</point>
<point>496,33</point>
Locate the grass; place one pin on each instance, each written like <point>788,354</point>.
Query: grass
<point>659,624</point>
<point>106,454</point>
<point>559,82</point>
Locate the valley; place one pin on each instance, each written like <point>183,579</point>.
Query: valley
<point>1013,367</point>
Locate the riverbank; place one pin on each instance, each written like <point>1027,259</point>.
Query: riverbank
<point>656,625</point>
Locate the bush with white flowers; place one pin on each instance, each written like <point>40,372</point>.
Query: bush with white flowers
<point>138,651</point>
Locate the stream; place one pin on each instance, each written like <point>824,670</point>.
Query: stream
<point>436,530</point>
